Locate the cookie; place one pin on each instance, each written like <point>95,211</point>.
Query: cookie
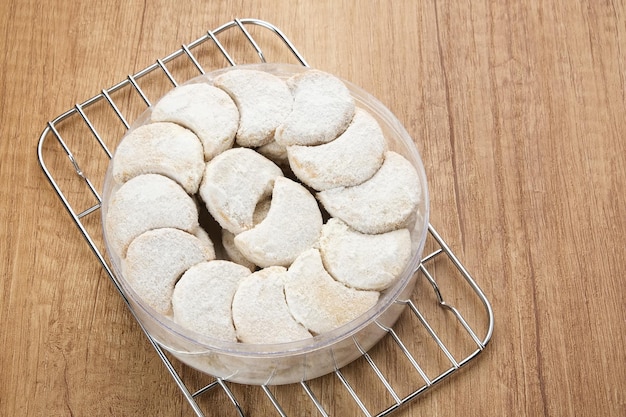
<point>202,298</point>
<point>319,302</point>
<point>147,202</point>
<point>156,260</point>
<point>349,160</point>
<point>205,110</point>
<point>160,148</point>
<point>263,101</point>
<point>260,312</point>
<point>322,110</point>
<point>292,225</point>
<point>234,183</point>
<point>363,261</point>
<point>385,202</point>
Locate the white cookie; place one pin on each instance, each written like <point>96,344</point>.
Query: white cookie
<point>293,224</point>
<point>319,302</point>
<point>160,148</point>
<point>349,160</point>
<point>205,110</point>
<point>234,183</point>
<point>322,110</point>
<point>362,261</point>
<point>147,202</point>
<point>203,296</point>
<point>263,100</point>
<point>260,311</point>
<point>385,202</point>
<point>155,261</point>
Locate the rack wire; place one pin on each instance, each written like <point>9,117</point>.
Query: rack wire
<point>401,367</point>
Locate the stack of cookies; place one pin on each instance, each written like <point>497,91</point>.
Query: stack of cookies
<point>309,210</point>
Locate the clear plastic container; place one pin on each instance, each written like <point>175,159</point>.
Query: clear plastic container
<point>302,360</point>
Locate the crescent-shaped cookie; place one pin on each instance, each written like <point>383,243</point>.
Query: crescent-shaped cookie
<point>147,202</point>
<point>319,302</point>
<point>155,261</point>
<point>292,225</point>
<point>349,160</point>
<point>263,100</point>
<point>160,148</point>
<point>234,183</point>
<point>260,311</point>
<point>205,110</point>
<point>203,296</point>
<point>322,110</point>
<point>362,261</point>
<point>385,202</point>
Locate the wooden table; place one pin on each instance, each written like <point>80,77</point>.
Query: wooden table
<point>518,109</point>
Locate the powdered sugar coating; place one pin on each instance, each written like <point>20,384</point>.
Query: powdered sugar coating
<point>322,110</point>
<point>293,224</point>
<point>385,202</point>
<point>349,160</point>
<point>234,183</point>
<point>155,261</point>
<point>319,302</point>
<point>260,311</point>
<point>263,100</point>
<point>364,261</point>
<point>206,110</point>
<point>147,202</point>
<point>161,148</point>
<point>203,296</point>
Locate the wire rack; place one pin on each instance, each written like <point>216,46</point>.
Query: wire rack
<point>435,338</point>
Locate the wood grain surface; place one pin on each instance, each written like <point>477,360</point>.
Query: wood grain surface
<point>518,109</point>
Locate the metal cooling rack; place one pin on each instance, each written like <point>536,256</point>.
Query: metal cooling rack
<point>79,194</point>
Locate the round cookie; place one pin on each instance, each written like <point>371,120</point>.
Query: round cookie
<point>155,261</point>
<point>147,202</point>
<point>292,225</point>
<point>203,296</point>
<point>260,312</point>
<point>322,109</point>
<point>160,148</point>
<point>205,110</point>
<point>385,202</point>
<point>319,302</point>
<point>234,183</point>
<point>362,261</point>
<point>349,160</point>
<point>263,100</point>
